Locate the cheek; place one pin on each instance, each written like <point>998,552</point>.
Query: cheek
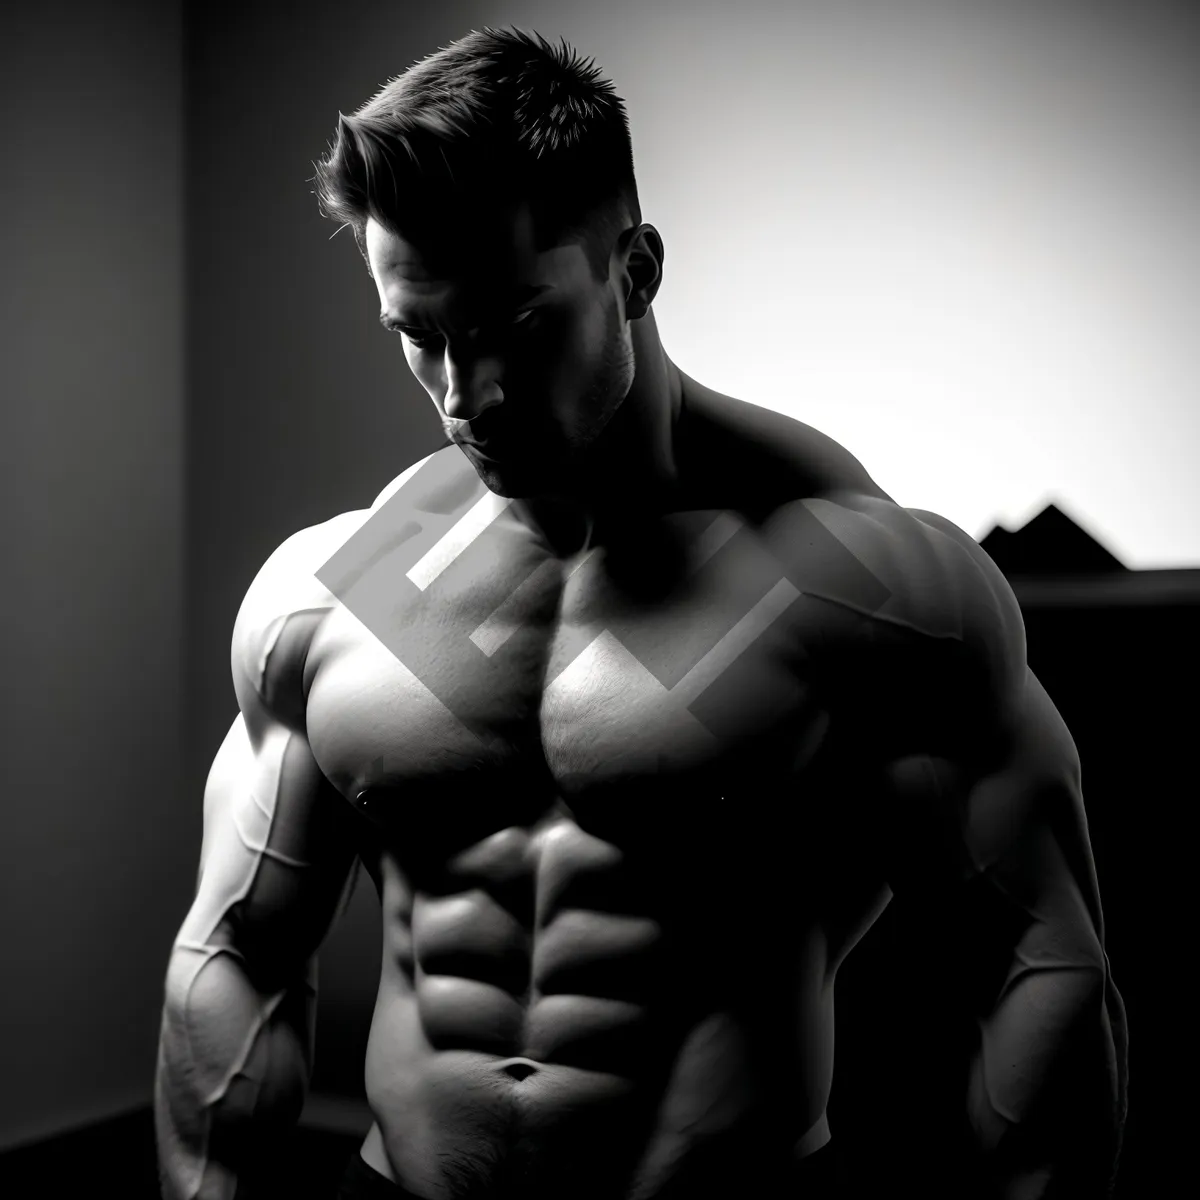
<point>574,351</point>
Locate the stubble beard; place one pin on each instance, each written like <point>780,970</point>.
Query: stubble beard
<point>554,471</point>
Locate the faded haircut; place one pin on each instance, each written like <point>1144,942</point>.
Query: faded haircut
<point>497,117</point>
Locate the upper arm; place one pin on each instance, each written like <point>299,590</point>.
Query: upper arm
<point>277,854</point>
<point>992,819</point>
<point>1006,838</point>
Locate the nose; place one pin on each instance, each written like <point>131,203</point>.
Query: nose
<point>472,386</point>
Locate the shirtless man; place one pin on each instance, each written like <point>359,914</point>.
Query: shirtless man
<point>637,702</point>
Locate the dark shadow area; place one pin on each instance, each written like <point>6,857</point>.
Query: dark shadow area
<point>117,1157</point>
<point>1116,650</point>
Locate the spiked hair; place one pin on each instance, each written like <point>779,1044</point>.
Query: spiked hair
<point>498,116</point>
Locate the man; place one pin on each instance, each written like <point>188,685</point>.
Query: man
<point>638,703</point>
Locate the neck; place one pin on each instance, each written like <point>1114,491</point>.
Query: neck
<point>632,468</point>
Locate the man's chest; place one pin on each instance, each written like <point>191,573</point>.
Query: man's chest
<point>674,659</point>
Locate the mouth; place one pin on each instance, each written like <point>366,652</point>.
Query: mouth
<point>492,445</point>
<point>489,448</point>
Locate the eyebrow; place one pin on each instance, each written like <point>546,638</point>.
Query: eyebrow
<point>518,295</point>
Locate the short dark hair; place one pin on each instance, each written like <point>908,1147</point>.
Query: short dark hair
<point>497,116</point>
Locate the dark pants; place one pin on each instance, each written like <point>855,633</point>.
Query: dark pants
<point>815,1178</point>
<point>361,1182</point>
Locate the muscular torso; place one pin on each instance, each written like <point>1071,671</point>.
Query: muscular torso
<point>610,807</point>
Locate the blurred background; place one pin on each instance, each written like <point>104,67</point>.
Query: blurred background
<point>960,238</point>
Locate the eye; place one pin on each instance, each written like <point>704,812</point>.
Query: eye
<point>429,340</point>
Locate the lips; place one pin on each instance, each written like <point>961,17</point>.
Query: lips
<point>481,443</point>
<point>490,443</point>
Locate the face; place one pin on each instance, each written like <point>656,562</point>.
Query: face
<point>524,355</point>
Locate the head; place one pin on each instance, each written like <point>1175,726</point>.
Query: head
<point>490,190</point>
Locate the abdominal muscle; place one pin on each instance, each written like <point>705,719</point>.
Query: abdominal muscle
<point>585,1096</point>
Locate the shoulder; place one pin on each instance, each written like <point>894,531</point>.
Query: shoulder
<point>942,622</point>
<point>278,616</point>
<point>845,539</point>
<point>938,577</point>
<point>287,601</point>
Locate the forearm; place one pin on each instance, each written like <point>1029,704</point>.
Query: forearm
<point>233,1067</point>
<point>1047,1090</point>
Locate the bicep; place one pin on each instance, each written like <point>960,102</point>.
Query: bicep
<point>277,855</point>
<point>1007,841</point>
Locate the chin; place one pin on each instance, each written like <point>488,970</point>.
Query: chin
<point>539,471</point>
<point>512,481</point>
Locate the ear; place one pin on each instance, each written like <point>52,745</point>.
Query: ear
<point>641,251</point>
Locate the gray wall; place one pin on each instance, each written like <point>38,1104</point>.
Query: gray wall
<point>98,850</point>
